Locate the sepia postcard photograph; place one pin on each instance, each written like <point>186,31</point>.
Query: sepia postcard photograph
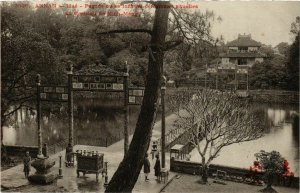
<point>150,96</point>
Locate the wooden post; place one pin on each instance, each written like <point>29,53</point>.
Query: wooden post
<point>70,106</point>
<point>235,78</point>
<point>217,80</point>
<point>163,122</point>
<point>60,170</point>
<point>126,110</point>
<point>38,116</point>
<point>205,76</point>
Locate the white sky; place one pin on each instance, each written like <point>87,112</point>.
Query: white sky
<point>268,22</point>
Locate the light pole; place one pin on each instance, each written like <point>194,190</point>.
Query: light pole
<point>70,106</point>
<point>43,164</point>
<point>217,80</point>
<point>106,176</point>
<point>126,110</point>
<point>38,84</point>
<point>163,121</point>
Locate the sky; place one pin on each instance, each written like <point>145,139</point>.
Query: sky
<point>267,22</point>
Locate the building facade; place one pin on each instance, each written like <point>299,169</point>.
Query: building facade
<point>243,51</point>
<point>231,72</point>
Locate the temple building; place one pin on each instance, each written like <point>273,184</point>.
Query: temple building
<point>243,51</point>
<point>232,68</point>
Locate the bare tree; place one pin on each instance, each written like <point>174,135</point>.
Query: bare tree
<point>215,120</point>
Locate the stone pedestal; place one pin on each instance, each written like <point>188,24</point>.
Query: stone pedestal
<point>164,175</point>
<point>43,174</point>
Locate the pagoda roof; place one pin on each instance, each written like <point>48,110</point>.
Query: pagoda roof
<point>242,55</point>
<point>243,41</point>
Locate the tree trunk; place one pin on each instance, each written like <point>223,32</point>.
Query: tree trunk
<point>204,174</point>
<point>128,171</point>
<point>269,188</point>
<point>270,182</point>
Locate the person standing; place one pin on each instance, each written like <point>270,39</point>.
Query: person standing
<point>26,162</point>
<point>146,167</point>
<point>69,161</point>
<point>157,167</point>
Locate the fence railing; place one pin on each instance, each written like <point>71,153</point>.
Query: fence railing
<point>172,135</point>
<point>102,142</point>
<point>57,147</point>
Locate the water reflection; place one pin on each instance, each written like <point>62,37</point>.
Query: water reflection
<point>9,135</point>
<point>92,121</point>
<point>279,136</point>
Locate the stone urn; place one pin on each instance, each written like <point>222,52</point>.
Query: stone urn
<point>43,175</point>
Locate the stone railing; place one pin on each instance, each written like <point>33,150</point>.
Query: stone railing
<point>233,173</point>
<point>18,150</point>
<point>171,136</point>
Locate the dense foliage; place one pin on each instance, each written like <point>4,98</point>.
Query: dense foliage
<point>272,164</point>
<point>293,66</point>
<point>45,41</point>
<point>280,70</point>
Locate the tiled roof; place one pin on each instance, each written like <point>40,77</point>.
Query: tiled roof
<point>244,41</point>
<point>98,69</point>
<point>242,55</point>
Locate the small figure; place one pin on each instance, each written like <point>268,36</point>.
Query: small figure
<point>188,157</point>
<point>255,169</point>
<point>26,162</point>
<point>146,167</point>
<point>287,174</point>
<point>157,167</point>
<point>69,155</point>
<point>287,170</point>
<point>154,149</point>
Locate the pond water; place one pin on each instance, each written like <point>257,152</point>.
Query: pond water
<point>98,119</point>
<point>94,121</point>
<point>280,135</point>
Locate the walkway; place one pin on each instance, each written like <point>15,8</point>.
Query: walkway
<point>13,178</point>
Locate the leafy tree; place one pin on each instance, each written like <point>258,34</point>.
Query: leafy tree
<point>268,75</point>
<point>215,120</point>
<point>267,50</point>
<point>293,65</point>
<point>46,40</point>
<point>24,53</point>
<point>197,48</point>
<point>272,164</point>
<point>295,26</point>
<point>283,48</point>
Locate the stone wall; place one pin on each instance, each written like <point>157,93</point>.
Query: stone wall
<point>276,96</point>
<point>189,167</point>
<point>273,96</point>
<point>20,150</point>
